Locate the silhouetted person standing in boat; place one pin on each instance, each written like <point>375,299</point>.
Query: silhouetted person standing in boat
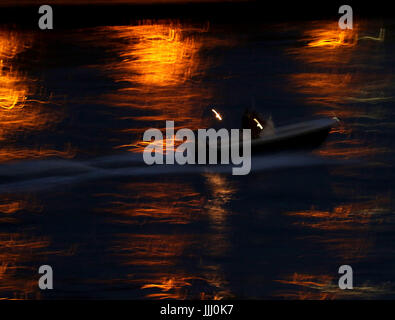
<point>258,125</point>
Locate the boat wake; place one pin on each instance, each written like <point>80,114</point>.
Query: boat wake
<point>43,174</point>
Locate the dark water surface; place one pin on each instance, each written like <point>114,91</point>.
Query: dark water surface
<point>74,195</point>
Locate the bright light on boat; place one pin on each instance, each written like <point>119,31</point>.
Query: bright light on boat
<point>217,115</point>
<point>258,124</point>
<point>336,118</point>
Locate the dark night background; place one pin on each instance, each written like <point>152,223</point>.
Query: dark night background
<point>74,102</point>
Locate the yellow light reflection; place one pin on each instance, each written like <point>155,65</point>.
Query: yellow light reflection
<point>181,206</point>
<point>324,287</point>
<point>161,56</point>
<point>15,251</point>
<point>172,203</point>
<point>13,92</point>
<point>343,217</point>
<point>334,38</point>
<point>156,54</point>
<point>161,252</point>
<point>20,110</point>
<point>222,192</point>
<point>346,217</point>
<point>159,69</point>
<point>346,76</point>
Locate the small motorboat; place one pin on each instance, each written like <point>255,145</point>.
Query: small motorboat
<point>305,135</point>
<point>217,144</point>
<point>301,135</point>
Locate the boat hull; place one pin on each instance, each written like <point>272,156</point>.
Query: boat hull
<point>300,136</point>
<point>304,140</point>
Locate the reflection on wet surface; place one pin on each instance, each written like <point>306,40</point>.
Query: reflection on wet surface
<point>14,86</point>
<point>279,233</point>
<point>323,287</point>
<point>21,109</point>
<point>160,252</point>
<point>157,54</point>
<point>139,202</point>
<point>160,68</point>
<point>350,81</point>
<point>19,249</point>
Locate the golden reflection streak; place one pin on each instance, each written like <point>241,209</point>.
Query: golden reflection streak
<point>15,250</point>
<point>157,55</point>
<point>346,217</point>
<point>142,203</point>
<point>9,208</point>
<point>9,154</point>
<point>20,250</point>
<point>325,287</point>
<point>335,38</point>
<point>380,37</point>
<point>162,146</point>
<point>19,111</point>
<point>161,56</point>
<point>179,287</point>
<point>160,70</point>
<point>222,192</point>
<point>335,88</point>
<point>178,204</point>
<point>335,91</point>
<point>157,252</point>
<point>12,92</point>
<point>333,149</point>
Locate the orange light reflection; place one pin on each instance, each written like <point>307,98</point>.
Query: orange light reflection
<point>20,110</point>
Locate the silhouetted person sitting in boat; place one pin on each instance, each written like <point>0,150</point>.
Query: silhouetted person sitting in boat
<point>258,125</point>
